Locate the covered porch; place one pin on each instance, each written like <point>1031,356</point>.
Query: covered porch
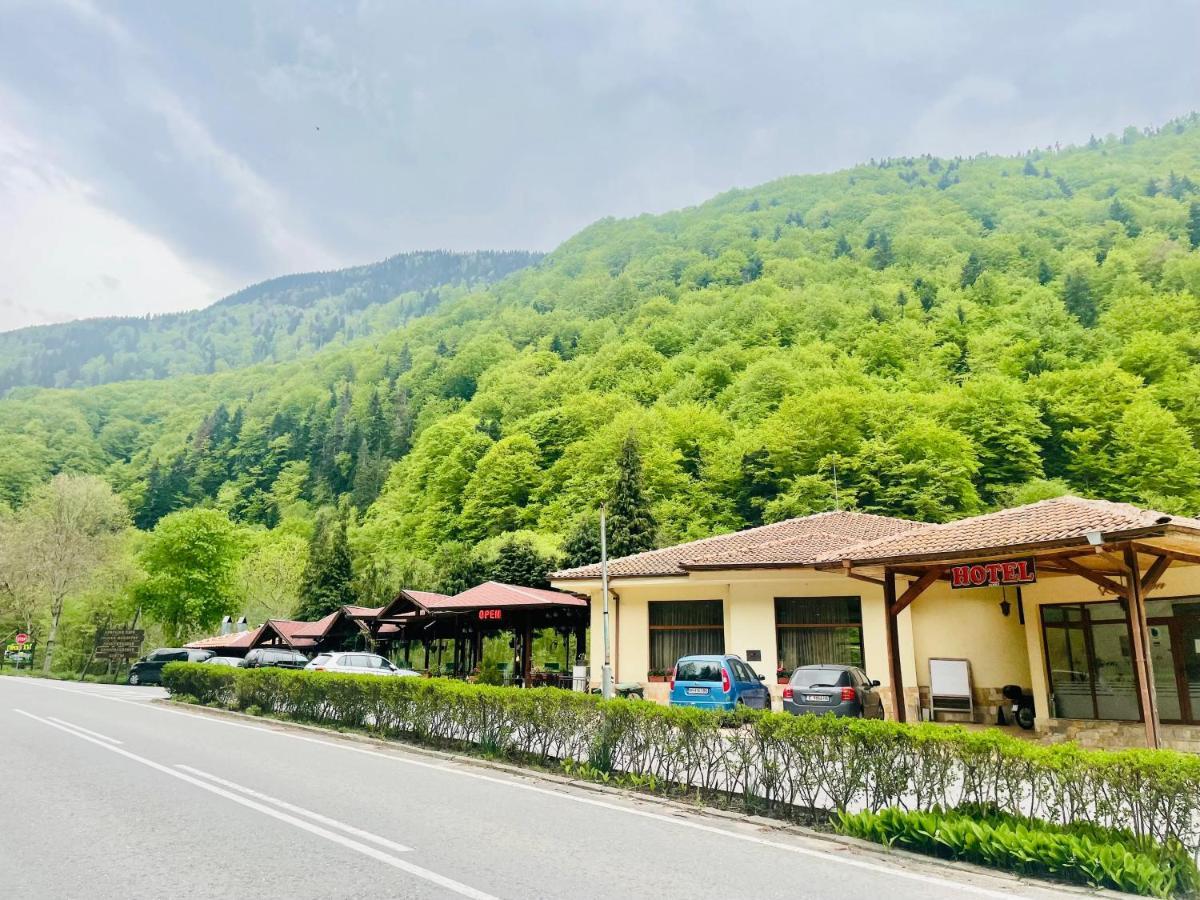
<point>1107,598</point>
<point>450,631</point>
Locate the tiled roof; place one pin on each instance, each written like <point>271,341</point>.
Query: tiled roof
<point>794,541</point>
<point>232,641</point>
<point>1062,520</point>
<point>362,612</point>
<point>428,599</point>
<point>294,633</point>
<point>493,593</point>
<point>318,628</point>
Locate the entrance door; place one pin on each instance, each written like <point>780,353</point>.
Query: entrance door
<point>1187,648</point>
<point>1171,707</point>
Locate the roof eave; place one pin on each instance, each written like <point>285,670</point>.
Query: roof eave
<point>1108,537</point>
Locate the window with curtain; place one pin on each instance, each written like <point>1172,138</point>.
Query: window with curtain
<point>1090,662</point>
<point>816,630</point>
<point>684,628</point>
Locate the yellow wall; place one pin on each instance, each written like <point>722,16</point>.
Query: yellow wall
<point>942,622</point>
<point>968,624</point>
<point>749,607</point>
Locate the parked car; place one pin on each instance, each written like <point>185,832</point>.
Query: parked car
<point>717,682</point>
<point>235,662</point>
<point>275,657</point>
<point>148,669</point>
<point>357,663</point>
<point>832,689</point>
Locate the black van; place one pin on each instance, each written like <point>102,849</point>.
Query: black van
<point>275,657</point>
<point>148,669</point>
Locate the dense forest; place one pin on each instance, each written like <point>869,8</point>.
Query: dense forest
<point>922,337</point>
<point>272,321</point>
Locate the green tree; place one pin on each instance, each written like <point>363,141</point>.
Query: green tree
<point>67,530</point>
<point>327,580</point>
<point>190,560</point>
<point>518,561</point>
<point>842,247</point>
<point>1193,225</point>
<point>631,525</point>
<point>971,270</point>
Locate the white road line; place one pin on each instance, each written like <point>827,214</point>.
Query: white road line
<point>298,810</point>
<point>441,880</point>
<point>833,856</point>
<point>95,734</point>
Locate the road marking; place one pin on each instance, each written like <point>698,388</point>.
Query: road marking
<point>441,880</point>
<point>298,810</point>
<point>833,856</point>
<point>95,734</point>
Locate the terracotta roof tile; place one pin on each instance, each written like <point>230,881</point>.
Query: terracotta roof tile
<point>794,541</point>
<point>232,641</point>
<point>1060,520</point>
<point>493,593</point>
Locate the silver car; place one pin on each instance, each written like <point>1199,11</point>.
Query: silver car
<point>356,663</point>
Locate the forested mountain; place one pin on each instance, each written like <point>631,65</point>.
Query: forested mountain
<point>275,320</point>
<point>926,337</point>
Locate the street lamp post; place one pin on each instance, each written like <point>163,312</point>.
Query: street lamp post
<point>606,680</point>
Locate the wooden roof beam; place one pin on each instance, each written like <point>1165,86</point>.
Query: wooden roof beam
<point>917,588</point>
<point>1108,584</point>
<point>1155,572</point>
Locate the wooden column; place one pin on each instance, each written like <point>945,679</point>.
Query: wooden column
<point>1142,663</point>
<point>893,645</point>
<point>526,653</point>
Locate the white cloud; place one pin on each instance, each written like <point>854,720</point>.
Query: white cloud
<point>63,256</point>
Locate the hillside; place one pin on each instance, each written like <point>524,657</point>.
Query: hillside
<point>275,320</point>
<point>924,337</point>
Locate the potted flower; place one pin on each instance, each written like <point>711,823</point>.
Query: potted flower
<point>656,675</point>
<point>782,675</point>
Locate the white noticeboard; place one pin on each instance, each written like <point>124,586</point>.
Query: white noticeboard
<point>950,686</point>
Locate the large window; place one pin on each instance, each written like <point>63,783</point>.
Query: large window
<point>684,628</point>
<point>815,630</point>
<point>1090,661</point>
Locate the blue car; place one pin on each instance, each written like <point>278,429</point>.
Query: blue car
<point>717,682</point>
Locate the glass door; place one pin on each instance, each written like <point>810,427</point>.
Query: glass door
<point>1187,646</point>
<point>1166,685</point>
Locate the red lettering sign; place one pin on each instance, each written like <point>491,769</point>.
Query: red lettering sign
<point>993,574</point>
<point>493,614</point>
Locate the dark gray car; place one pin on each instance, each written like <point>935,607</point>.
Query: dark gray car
<point>148,669</point>
<point>834,689</point>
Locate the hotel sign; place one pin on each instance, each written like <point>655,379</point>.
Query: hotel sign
<point>994,574</point>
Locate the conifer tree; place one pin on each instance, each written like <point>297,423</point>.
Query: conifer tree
<point>326,582</point>
<point>842,247</point>
<point>972,270</point>
<point>518,561</point>
<point>1193,226</point>
<point>631,525</point>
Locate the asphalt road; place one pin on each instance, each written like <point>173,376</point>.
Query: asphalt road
<point>108,794</point>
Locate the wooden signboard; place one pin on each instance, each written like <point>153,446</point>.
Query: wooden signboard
<point>119,643</point>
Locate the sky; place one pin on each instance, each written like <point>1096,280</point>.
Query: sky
<point>158,156</point>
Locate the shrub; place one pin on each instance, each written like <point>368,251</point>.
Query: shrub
<point>1079,852</point>
<point>805,768</point>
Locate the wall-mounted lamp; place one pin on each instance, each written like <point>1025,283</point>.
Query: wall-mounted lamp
<point>1095,538</point>
<point>1005,607</point>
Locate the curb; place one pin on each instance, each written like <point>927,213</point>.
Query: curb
<point>760,822</point>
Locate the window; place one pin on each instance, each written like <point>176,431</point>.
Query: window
<point>699,671</point>
<point>1089,660</point>
<point>685,628</point>
<point>818,631</point>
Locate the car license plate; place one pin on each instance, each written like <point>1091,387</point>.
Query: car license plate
<point>694,691</point>
<point>816,698</point>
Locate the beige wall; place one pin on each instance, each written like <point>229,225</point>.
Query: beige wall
<point>749,607</point>
<point>942,622</point>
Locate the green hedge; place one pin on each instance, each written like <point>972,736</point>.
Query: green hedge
<point>808,768</point>
<point>1079,852</point>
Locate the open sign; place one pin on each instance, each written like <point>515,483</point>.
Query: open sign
<point>494,615</point>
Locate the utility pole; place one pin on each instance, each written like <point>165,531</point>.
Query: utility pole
<point>606,681</point>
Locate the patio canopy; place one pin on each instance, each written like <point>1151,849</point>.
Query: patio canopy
<point>1123,549</point>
